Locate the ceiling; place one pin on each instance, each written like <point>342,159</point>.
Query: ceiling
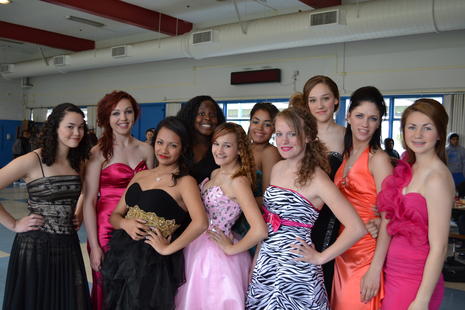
<point>51,17</point>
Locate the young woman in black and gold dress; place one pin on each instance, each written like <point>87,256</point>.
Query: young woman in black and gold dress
<point>158,215</point>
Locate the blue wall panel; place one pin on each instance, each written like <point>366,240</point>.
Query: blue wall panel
<point>150,115</point>
<point>7,138</point>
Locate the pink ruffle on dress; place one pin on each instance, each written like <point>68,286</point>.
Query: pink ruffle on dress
<point>214,280</point>
<point>409,247</point>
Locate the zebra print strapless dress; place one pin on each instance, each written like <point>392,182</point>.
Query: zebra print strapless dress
<point>279,281</point>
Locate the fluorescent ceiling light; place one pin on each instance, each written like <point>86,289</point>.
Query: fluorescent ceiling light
<point>84,21</point>
<point>5,1</point>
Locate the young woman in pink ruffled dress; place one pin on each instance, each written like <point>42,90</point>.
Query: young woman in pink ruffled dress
<point>416,206</point>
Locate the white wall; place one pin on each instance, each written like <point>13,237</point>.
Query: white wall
<point>11,102</point>
<point>432,63</point>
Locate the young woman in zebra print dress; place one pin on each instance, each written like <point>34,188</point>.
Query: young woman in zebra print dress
<point>288,273</point>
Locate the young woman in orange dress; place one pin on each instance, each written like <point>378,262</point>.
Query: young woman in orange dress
<point>358,283</point>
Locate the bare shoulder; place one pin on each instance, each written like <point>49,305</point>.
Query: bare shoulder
<point>320,178</point>
<point>96,154</point>
<point>341,130</point>
<point>29,160</point>
<point>26,166</point>
<point>379,159</point>
<point>240,181</point>
<point>278,166</point>
<point>186,182</point>
<point>214,173</point>
<point>143,174</point>
<point>271,151</point>
<point>145,148</point>
<point>439,181</point>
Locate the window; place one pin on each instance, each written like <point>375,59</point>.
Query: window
<point>49,111</point>
<point>239,111</point>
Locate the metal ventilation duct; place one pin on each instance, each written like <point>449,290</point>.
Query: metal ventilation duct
<point>363,21</point>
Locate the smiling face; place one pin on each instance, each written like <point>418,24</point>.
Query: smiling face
<point>290,145</point>
<point>71,130</point>
<point>225,149</point>
<point>168,147</point>
<point>206,119</point>
<point>364,120</point>
<point>261,127</point>
<point>322,102</point>
<point>420,133</point>
<point>122,117</point>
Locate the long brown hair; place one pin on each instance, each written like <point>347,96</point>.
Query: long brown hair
<point>104,109</point>
<point>305,126</point>
<point>436,112</point>
<point>245,158</point>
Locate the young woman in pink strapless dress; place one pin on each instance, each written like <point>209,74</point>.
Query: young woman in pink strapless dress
<point>114,161</point>
<point>416,204</point>
<point>217,266</point>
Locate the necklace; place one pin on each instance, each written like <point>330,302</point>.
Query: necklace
<point>161,176</point>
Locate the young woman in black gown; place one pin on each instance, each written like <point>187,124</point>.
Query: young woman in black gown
<point>201,115</point>
<point>46,270</point>
<point>158,215</point>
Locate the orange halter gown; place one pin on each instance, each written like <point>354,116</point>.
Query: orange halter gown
<point>359,187</point>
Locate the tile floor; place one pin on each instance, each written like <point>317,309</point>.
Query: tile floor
<point>14,200</point>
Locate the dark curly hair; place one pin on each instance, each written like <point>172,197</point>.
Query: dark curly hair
<point>175,125</point>
<point>373,95</point>
<point>104,108</point>
<point>189,111</point>
<point>49,142</point>
<point>245,157</point>
<point>305,126</point>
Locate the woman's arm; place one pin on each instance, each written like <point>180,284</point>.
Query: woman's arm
<point>15,170</point>
<point>270,157</point>
<point>78,212</point>
<point>190,195</point>
<point>344,212</point>
<point>380,166</point>
<point>439,194</point>
<point>149,155</point>
<point>91,186</point>
<point>258,229</point>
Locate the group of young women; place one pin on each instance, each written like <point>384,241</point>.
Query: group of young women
<point>335,225</point>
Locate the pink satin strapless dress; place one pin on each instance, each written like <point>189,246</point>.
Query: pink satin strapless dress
<point>113,182</point>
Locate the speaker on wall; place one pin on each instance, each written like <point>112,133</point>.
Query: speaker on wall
<point>256,76</point>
